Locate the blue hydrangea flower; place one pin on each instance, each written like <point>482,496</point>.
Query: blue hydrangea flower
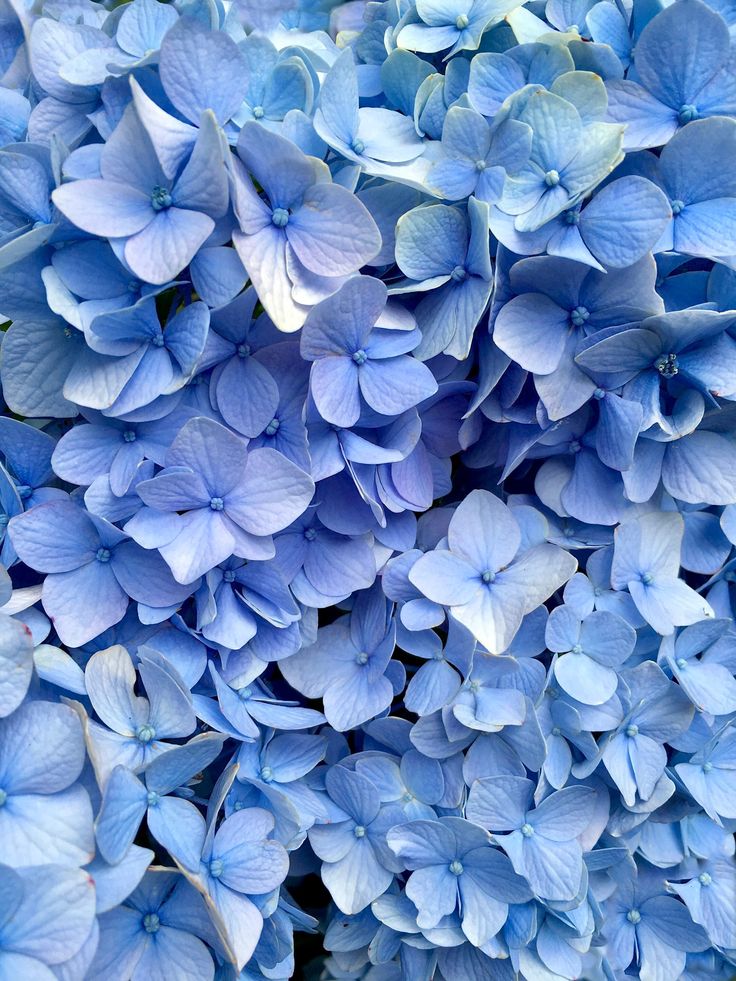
<point>279,770</point>
<point>171,819</point>
<point>241,706</point>
<point>541,841</point>
<point>321,564</point>
<point>455,24</point>
<point>650,928</point>
<point>113,447</point>
<point>484,577</point>
<point>350,665</point>
<point>48,914</point>
<point>445,253</point>
<point>353,356</point>
<point>699,658</point>
<point>46,815</point>
<point>161,221</point>
<point>140,31</point>
<point>476,158</point>
<point>634,754</point>
<point>556,306</point>
<point>132,728</point>
<point>494,76</point>
<point>454,867</point>
<point>132,359</point>
<point>646,561</point>
<point>707,897</point>
<point>357,864</point>
<point>693,81</point>
<point>702,210</point>
<point>92,568</point>
<point>277,83</point>
<point>241,386</point>
<point>238,861</point>
<point>709,775</point>
<point>218,499</point>
<point>162,923</point>
<point>380,140</point>
<point>572,157</point>
<point>290,238</point>
<point>590,652</point>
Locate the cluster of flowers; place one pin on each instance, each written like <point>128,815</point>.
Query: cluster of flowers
<point>368,489</point>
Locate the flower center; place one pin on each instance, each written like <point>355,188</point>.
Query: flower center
<point>217,867</point>
<point>579,315</point>
<point>357,146</point>
<point>552,178</point>
<point>103,555</point>
<point>228,575</point>
<point>361,658</point>
<point>488,576</point>
<point>280,217</point>
<point>359,831</point>
<point>144,734</point>
<point>310,534</point>
<point>158,340</point>
<point>480,166</point>
<point>577,649</point>
<point>243,350</point>
<point>151,922</point>
<point>273,427</point>
<point>458,274</point>
<point>153,798</point>
<point>647,579</point>
<point>129,436</point>
<point>633,916</point>
<point>599,393</point>
<point>258,112</point>
<point>217,503</point>
<point>527,830</point>
<point>686,114</point>
<point>244,694</point>
<point>681,662</point>
<point>704,879</point>
<point>667,365</point>
<point>456,867</point>
<point>677,205</point>
<point>266,774</point>
<point>360,357</point>
<point>632,730</point>
<point>462,22</point>
<point>572,217</point>
<point>707,767</point>
<point>160,199</point>
<point>3,796</point>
